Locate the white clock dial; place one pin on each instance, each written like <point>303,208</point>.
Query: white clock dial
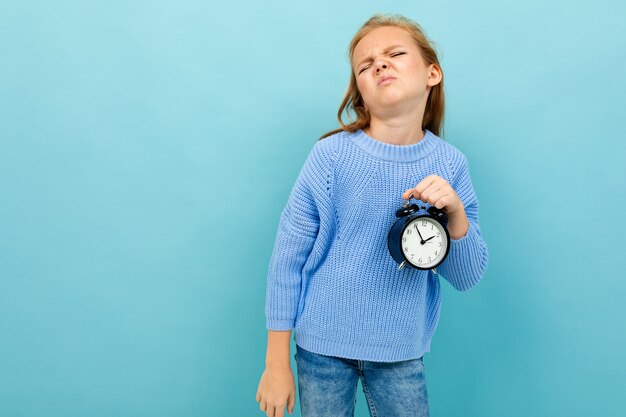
<point>424,242</point>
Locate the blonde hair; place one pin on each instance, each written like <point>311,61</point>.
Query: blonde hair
<point>353,101</point>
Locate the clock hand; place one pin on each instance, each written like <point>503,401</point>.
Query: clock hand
<point>418,232</point>
<point>429,238</point>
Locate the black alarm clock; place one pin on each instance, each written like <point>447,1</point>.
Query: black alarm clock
<point>421,241</point>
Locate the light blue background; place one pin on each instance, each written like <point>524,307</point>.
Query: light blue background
<point>147,149</point>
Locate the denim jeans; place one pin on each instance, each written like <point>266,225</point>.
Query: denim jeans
<point>328,386</point>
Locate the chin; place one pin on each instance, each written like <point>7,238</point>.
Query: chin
<point>393,102</point>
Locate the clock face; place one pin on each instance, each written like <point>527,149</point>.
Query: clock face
<point>424,242</point>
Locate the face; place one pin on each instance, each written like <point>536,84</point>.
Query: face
<point>390,72</point>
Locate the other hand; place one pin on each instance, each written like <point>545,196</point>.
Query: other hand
<point>276,391</point>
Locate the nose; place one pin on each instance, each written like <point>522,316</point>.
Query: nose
<point>380,66</point>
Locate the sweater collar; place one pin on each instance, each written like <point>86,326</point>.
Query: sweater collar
<point>400,153</point>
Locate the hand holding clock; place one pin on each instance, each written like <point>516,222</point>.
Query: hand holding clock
<point>436,191</point>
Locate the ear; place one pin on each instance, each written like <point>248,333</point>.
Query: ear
<point>434,75</point>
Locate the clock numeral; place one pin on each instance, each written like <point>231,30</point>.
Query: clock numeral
<point>423,223</point>
<point>408,232</point>
<point>404,239</point>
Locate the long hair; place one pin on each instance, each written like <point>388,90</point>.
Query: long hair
<point>353,101</point>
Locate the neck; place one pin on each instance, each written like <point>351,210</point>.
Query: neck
<point>399,124</point>
<point>405,129</point>
<point>395,132</point>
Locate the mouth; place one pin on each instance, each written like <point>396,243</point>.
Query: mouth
<point>385,80</point>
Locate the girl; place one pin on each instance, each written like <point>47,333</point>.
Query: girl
<point>331,277</point>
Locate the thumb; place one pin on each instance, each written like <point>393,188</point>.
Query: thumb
<point>291,402</point>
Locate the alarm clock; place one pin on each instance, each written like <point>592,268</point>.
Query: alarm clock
<point>421,241</point>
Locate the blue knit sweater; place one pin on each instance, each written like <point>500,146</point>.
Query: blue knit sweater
<point>331,277</point>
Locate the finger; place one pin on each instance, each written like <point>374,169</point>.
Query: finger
<point>432,197</point>
<point>441,202</point>
<point>258,396</point>
<point>426,182</point>
<point>424,185</point>
<point>427,195</point>
<point>427,185</point>
<point>291,402</point>
<point>419,187</point>
<point>271,411</point>
<point>263,405</point>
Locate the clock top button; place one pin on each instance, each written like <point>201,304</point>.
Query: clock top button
<point>405,211</point>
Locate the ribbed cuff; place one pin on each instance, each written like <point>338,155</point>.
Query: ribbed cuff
<point>463,244</point>
<point>466,261</point>
<point>277,324</point>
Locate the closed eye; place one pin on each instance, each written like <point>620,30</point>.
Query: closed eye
<point>394,54</point>
<point>364,68</point>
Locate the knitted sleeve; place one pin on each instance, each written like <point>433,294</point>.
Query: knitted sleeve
<point>468,257</point>
<point>308,207</point>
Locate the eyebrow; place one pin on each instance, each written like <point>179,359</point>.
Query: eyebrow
<point>369,57</point>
